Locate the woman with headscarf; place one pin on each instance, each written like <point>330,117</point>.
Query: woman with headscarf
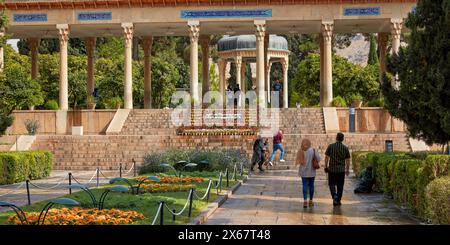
<point>307,172</point>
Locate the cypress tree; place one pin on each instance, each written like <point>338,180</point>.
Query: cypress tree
<point>373,57</point>
<point>423,99</point>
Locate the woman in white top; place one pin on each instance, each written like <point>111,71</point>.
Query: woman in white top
<point>307,171</point>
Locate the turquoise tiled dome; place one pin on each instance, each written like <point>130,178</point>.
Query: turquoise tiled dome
<point>249,42</point>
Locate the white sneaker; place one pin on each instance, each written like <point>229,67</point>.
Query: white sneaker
<point>271,164</point>
<point>282,160</point>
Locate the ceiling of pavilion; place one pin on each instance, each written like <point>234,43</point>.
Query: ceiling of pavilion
<point>206,28</point>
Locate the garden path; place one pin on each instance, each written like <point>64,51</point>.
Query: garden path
<point>274,197</point>
<point>51,187</point>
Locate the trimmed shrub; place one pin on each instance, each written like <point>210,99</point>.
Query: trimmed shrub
<point>217,159</point>
<point>339,102</point>
<point>359,161</point>
<point>51,105</point>
<point>438,200</point>
<point>18,166</point>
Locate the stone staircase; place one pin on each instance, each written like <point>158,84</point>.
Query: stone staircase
<point>148,122</point>
<point>147,131</point>
<point>6,142</point>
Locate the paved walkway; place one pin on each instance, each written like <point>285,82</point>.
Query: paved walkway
<point>52,187</point>
<point>274,197</point>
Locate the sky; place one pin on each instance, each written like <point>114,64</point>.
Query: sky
<point>13,43</point>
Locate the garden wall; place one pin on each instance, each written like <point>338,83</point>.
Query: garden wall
<point>93,121</point>
<point>370,120</point>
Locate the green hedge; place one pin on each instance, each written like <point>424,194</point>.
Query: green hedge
<point>17,166</point>
<point>438,196</point>
<point>405,176</point>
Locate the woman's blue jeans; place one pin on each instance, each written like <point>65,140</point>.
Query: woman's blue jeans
<point>308,184</point>
<point>274,152</point>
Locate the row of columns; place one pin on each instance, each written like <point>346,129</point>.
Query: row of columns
<point>326,88</point>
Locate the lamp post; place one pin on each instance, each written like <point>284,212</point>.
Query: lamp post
<point>189,165</point>
<point>116,188</point>
<point>118,179</point>
<point>152,178</point>
<point>59,201</point>
<point>85,189</point>
<point>19,212</point>
<point>166,165</point>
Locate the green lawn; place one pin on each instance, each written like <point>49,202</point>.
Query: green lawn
<point>145,203</point>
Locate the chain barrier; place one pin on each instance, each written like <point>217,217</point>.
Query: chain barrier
<point>13,190</point>
<point>49,188</point>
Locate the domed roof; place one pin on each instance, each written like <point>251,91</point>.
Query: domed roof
<point>249,42</point>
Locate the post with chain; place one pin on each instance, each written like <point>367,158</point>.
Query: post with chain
<point>161,213</point>
<point>134,167</point>
<point>70,183</point>
<point>191,198</point>
<point>98,176</point>
<point>120,170</point>
<point>234,172</point>
<point>28,192</point>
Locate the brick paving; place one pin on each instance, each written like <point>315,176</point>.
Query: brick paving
<point>274,198</point>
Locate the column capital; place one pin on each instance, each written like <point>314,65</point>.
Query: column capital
<point>128,31</point>
<point>327,30</point>
<point>396,28</point>
<point>194,30</point>
<point>285,63</point>
<point>260,30</point>
<point>63,33</point>
<point>238,60</point>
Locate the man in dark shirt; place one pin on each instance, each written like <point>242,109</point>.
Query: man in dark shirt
<point>337,165</point>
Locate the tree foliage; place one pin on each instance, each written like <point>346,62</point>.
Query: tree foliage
<point>348,80</point>
<point>422,99</point>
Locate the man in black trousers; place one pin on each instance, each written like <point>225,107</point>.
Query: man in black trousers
<point>337,165</point>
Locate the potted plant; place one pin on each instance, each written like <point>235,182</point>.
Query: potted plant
<point>114,102</point>
<point>91,102</point>
<point>357,100</point>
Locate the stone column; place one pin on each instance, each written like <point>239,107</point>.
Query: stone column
<point>33,43</point>
<point>285,64</point>
<point>128,30</point>
<point>327,66</point>
<point>382,48</point>
<point>63,33</point>
<point>90,51</point>
<point>238,63</point>
<point>194,32</point>
<point>243,83</point>
<point>148,41</point>
<point>266,68</point>
<point>396,31</point>
<point>260,33</point>
<point>204,42</point>
<point>268,87</point>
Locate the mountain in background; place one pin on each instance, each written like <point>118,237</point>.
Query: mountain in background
<point>357,52</point>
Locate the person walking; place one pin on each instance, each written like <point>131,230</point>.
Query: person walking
<point>309,160</point>
<point>337,165</point>
<point>277,145</point>
<point>258,153</point>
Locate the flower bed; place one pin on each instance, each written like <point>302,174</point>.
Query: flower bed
<point>155,187</point>
<point>79,216</point>
<point>174,179</point>
<point>213,131</point>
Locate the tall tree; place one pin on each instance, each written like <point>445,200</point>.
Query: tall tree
<point>6,119</point>
<point>373,56</point>
<point>422,99</point>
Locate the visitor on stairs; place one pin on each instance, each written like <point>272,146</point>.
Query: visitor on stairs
<point>258,153</point>
<point>337,165</point>
<point>277,145</point>
<point>309,160</point>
